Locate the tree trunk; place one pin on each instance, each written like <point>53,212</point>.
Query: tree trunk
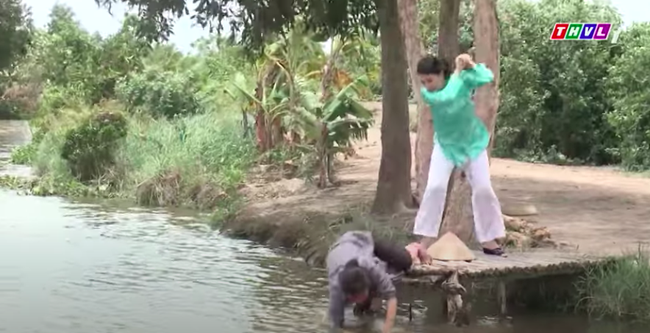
<point>448,43</point>
<point>486,41</point>
<point>414,51</point>
<point>458,209</point>
<point>322,157</point>
<point>260,131</point>
<point>394,181</point>
<point>277,132</point>
<point>260,119</point>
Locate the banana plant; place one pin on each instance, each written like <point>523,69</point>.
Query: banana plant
<point>332,124</point>
<point>268,101</point>
<point>285,95</point>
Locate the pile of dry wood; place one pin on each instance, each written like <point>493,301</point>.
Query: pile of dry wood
<point>524,234</point>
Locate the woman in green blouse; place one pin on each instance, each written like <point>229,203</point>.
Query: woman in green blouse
<point>460,141</point>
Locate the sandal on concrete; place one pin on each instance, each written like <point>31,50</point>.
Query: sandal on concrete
<point>495,252</point>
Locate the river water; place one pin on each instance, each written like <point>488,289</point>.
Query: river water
<point>80,267</point>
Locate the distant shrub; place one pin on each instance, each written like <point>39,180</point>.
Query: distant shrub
<point>90,147</point>
<point>161,94</point>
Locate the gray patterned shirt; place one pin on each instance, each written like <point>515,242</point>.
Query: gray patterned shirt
<point>355,245</point>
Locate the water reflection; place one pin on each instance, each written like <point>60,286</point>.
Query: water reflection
<point>293,293</point>
<point>80,268</point>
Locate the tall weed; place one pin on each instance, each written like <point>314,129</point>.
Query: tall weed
<point>199,159</point>
<point>620,289</point>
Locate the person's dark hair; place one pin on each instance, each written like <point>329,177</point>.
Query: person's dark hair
<point>354,279</point>
<point>434,65</point>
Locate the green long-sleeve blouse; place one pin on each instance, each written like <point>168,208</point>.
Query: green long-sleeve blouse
<point>458,130</point>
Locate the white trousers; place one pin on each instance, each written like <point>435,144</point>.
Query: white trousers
<point>488,221</point>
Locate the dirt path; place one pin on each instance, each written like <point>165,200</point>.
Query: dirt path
<point>597,210</point>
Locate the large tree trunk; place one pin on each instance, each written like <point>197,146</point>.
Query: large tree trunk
<point>414,51</point>
<point>394,183</point>
<point>486,41</point>
<point>458,210</point>
<point>448,43</point>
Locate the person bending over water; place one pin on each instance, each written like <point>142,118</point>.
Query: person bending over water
<point>358,273</point>
<point>460,141</point>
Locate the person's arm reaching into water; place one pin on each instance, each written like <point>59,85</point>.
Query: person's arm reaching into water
<point>337,308</point>
<point>385,289</point>
<point>391,312</point>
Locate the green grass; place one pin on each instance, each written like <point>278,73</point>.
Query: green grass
<point>312,233</point>
<point>196,161</point>
<point>202,159</point>
<point>620,289</point>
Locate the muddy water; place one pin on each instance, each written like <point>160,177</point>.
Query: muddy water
<point>78,267</point>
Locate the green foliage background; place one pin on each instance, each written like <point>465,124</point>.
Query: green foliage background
<point>583,102</point>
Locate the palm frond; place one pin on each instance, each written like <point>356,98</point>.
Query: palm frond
<point>238,90</point>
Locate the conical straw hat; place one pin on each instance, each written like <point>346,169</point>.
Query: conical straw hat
<point>450,248</point>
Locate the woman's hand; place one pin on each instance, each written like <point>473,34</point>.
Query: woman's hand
<point>464,61</point>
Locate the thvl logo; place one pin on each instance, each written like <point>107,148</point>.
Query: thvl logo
<point>581,31</point>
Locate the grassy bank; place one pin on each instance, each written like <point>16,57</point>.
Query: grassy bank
<point>196,161</point>
<point>310,234</point>
<point>619,290</point>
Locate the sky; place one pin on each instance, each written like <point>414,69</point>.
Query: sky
<point>95,19</point>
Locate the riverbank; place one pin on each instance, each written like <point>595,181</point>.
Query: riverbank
<point>580,206</point>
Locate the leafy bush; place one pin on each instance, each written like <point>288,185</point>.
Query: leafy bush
<point>89,148</point>
<point>191,160</point>
<point>160,93</point>
<point>8,110</point>
<point>629,89</point>
<point>24,154</point>
<point>15,32</point>
<point>55,98</point>
<point>554,94</point>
